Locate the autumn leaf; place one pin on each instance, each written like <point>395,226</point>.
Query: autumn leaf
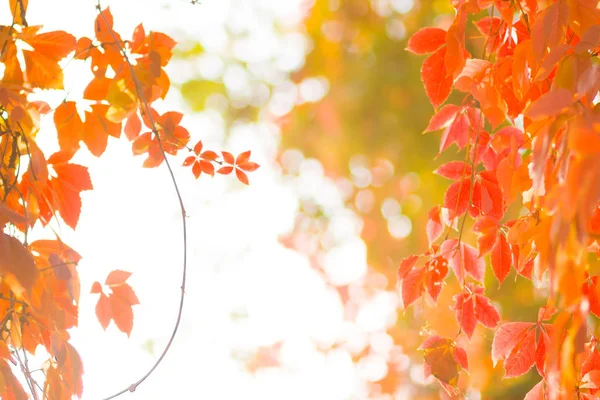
<point>413,286</point>
<point>426,40</point>
<point>435,78</point>
<point>434,227</point>
<point>501,258</point>
<point>463,258</point>
<point>117,305</point>
<point>443,359</point>
<point>17,265</point>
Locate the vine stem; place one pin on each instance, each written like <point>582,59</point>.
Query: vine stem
<point>142,98</point>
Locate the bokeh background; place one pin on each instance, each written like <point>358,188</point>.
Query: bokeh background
<point>292,280</point>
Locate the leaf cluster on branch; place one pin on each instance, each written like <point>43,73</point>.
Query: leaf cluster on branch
<point>39,284</point>
<point>528,128</point>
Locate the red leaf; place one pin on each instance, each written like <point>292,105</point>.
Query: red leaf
<point>437,269</point>
<point>435,78</point>
<point>457,196</point>
<point>443,118</point>
<point>486,313</point>
<point>412,286</point>
<point>426,40</point>
<point>522,358</point>
<point>492,202</point>
<point>434,227</point>
<point>454,170</point>
<point>406,265</point>
<point>461,358</point>
<point>465,313</point>
<point>501,258</point>
<point>468,260</point>
<point>506,338</point>
<point>538,392</point>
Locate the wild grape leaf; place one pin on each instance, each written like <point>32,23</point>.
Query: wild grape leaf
<point>49,48</point>
<point>464,257</point>
<point>435,78</point>
<point>11,388</point>
<point>550,104</point>
<point>117,305</point>
<point>501,258</point>
<point>443,118</point>
<point>506,339</point>
<point>471,307</point>
<point>454,170</point>
<point>413,286</point>
<point>17,266</point>
<point>490,200</point>
<point>426,40</point>
<point>69,126</point>
<point>549,28</point>
<point>465,313</point>
<point>522,357</point>
<point>538,392</point>
<point>436,272</point>
<point>441,359</point>
<point>455,38</point>
<point>434,227</point>
<point>591,289</point>
<point>456,198</point>
<point>583,14</point>
<point>406,265</point>
<point>64,190</point>
<point>97,128</point>
<point>18,9</point>
<point>485,312</point>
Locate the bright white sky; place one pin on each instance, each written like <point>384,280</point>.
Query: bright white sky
<point>244,288</point>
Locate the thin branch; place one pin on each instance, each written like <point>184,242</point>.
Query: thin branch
<point>142,98</point>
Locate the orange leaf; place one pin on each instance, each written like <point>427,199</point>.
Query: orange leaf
<point>69,126</point>
<point>117,277</point>
<point>17,265</point>
<point>225,170</point>
<point>18,8</point>
<point>103,311</point>
<point>242,157</point>
<point>228,157</point>
<point>122,314</point>
<point>96,288</point>
<point>133,126</point>
<point>241,176</point>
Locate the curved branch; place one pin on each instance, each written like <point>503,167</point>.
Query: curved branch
<point>142,98</point>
